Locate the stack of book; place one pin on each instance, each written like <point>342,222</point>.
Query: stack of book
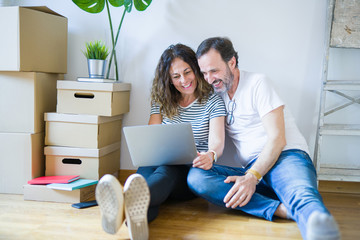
<point>33,56</point>
<point>67,189</point>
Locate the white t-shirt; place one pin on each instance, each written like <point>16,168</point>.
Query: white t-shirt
<point>254,98</point>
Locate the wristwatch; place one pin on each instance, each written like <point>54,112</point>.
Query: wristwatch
<point>215,156</point>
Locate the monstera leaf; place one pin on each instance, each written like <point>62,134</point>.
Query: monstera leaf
<point>90,6</point>
<point>141,5</point>
<point>97,6</point>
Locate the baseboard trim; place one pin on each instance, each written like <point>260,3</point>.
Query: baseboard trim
<point>339,187</point>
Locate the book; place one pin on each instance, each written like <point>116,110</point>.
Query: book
<point>80,183</point>
<point>85,79</point>
<point>54,179</point>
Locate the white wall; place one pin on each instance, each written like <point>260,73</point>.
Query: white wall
<point>281,38</point>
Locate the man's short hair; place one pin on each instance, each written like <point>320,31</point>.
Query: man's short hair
<point>221,44</point>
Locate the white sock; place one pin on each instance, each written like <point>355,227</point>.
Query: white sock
<point>322,226</point>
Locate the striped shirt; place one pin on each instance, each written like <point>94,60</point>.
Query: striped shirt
<point>199,115</point>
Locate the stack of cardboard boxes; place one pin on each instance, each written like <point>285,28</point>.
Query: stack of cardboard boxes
<point>82,136</point>
<point>33,56</point>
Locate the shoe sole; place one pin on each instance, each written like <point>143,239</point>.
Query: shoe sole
<point>137,199</point>
<point>110,198</point>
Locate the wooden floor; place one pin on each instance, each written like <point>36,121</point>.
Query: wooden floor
<point>195,219</point>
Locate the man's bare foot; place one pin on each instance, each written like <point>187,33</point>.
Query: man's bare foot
<point>281,212</point>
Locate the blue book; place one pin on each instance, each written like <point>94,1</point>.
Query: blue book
<point>73,185</point>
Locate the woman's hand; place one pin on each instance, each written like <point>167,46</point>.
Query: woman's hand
<point>204,160</point>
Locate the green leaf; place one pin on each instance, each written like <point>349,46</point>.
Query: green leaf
<point>116,3</point>
<point>90,6</point>
<point>142,5</point>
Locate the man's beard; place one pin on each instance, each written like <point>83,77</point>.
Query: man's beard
<point>227,81</point>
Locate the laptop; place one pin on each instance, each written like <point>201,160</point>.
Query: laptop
<point>161,144</point>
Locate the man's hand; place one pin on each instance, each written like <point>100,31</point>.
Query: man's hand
<point>242,191</point>
<point>204,160</point>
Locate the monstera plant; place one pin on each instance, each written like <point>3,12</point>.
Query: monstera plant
<point>97,6</point>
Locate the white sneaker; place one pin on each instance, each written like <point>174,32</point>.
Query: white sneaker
<point>137,199</point>
<point>322,226</point>
<point>110,198</point>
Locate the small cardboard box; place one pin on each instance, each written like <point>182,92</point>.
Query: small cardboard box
<point>21,159</point>
<point>24,98</point>
<point>81,131</point>
<point>33,39</point>
<point>88,163</point>
<point>45,194</point>
<point>103,99</point>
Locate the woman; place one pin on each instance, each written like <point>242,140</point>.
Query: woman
<point>180,94</point>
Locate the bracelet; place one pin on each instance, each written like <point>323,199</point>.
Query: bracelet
<point>255,173</point>
<point>215,156</point>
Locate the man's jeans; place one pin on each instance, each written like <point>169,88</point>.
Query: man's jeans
<point>291,181</point>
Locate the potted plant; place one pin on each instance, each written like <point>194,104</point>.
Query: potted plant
<point>96,53</point>
<point>96,6</point>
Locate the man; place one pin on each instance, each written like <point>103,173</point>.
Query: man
<point>278,177</point>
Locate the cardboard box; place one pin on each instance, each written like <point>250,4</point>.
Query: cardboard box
<point>45,194</point>
<point>21,159</point>
<point>88,163</point>
<point>33,39</point>
<point>81,131</point>
<point>103,99</point>
<point>24,98</point>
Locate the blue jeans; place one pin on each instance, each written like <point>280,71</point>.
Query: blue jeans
<point>291,181</point>
<point>165,182</point>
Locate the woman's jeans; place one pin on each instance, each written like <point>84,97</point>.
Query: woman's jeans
<point>165,182</point>
<point>291,181</point>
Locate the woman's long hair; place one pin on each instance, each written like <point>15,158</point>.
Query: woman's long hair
<point>163,91</point>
